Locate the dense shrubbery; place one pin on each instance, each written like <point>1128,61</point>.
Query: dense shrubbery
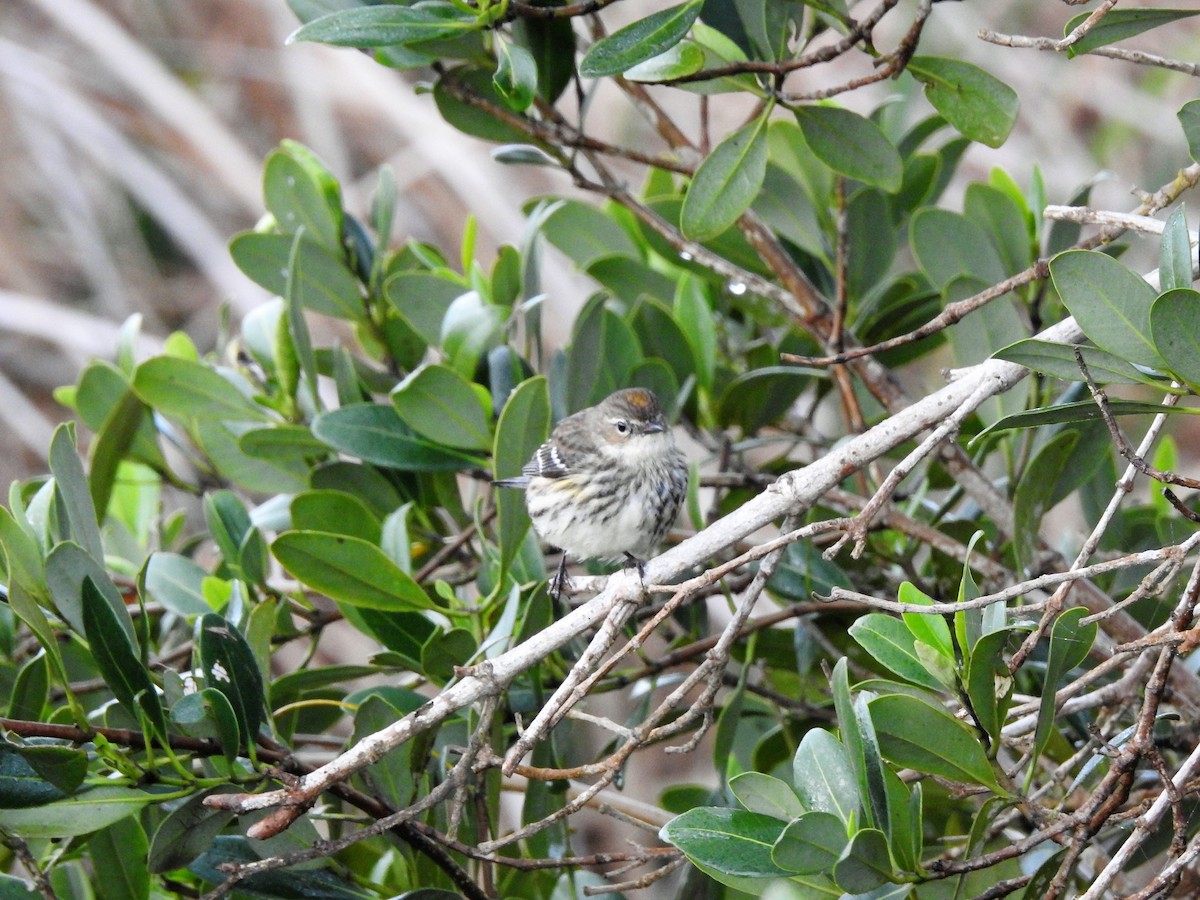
<point>934,692</point>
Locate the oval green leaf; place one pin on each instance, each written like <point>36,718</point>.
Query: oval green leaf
<point>728,840</point>
<point>442,405</point>
<point>375,434</point>
<point>1110,302</point>
<point>851,145</point>
<point>640,41</point>
<point>1174,318</point>
<point>349,570</point>
<point>726,183</point>
<point>980,106</point>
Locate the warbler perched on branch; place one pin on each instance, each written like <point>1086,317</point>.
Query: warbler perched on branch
<point>607,484</point>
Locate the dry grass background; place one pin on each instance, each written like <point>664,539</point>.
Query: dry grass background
<point>131,134</point>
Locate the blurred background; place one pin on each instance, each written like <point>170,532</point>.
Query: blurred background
<point>132,134</point>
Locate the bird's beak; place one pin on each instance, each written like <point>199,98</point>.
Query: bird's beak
<point>655,428</point>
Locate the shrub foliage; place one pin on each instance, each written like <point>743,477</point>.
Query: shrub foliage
<point>894,671</point>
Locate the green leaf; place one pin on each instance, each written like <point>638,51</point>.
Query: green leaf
<point>851,145</point>
<point>823,777</point>
<point>1110,302</point>
<point>585,233</point>
<point>949,246</point>
<point>552,44</point>
<point>187,390</point>
<point>21,785</point>
<point>893,645</point>
<point>186,833</point>
<point>67,568</point>
<point>1119,24</point>
<point>603,352</point>
<point>422,299</point>
<point>1081,411</point>
<point>1003,222</point>
<point>175,582</point>
<point>386,26</point>
<point>295,441</point>
<point>685,58</point>
<point>1175,254</point>
<point>229,666</point>
<point>208,713</point>
<point>968,623</point>
<point>695,318</point>
<point>766,794</point>
<point>71,488</point>
<point>87,811</point>
<point>917,735</point>
<point>930,630</point>
<point>728,840</point>
<point>444,407</point>
<point>523,425</point>
<point>336,512</point>
<point>30,690</point>
<point>118,855</point>
<point>989,683</point>
<point>63,767</point>
<point>302,195</point>
<point>236,851</point>
<point>980,106</point>
<point>1058,361</point>
<point>471,329</point>
<point>118,660</point>
<point>1032,497</point>
<point>865,863</point>
<point>293,343</point>
<point>124,430</point>
<point>640,41</point>
<point>1173,318</point>
<point>375,433</point>
<point>1070,642</point>
<point>349,570</point>
<point>811,843</point>
<point>762,396</point>
<point>324,284</point>
<point>476,117</point>
<point>1189,118</point>
<point>516,76</point>
<point>726,182</point>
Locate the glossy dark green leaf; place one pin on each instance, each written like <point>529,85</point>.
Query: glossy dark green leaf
<point>294,355</point>
<point>662,337</point>
<point>325,285</point>
<point>229,666</point>
<point>185,833</point>
<point>968,623</point>
<point>1119,24</point>
<point>551,42</point>
<point>585,233</point>
<point>1082,411</point>
<point>471,329</point>
<point>1032,496</point>
<point>1189,118</point>
<point>208,713</point>
<point>520,430</point>
<point>603,352</point>
<point>980,106</point>
<point>118,659</point>
<point>391,777</point>
<point>23,786</point>
<point>118,855</point>
<point>275,475</point>
<point>302,195</point>
<point>823,776</point>
<point>872,249</point>
<point>685,58</point>
<point>63,767</point>
<point>893,645</point>
<point>989,683</point>
<point>1173,319</point>
<point>762,395</point>
<point>480,116</point>
<point>445,651</point>
<point>811,843</point>
<point>1110,302</point>
<point>695,317</point>
<point>349,570</point>
<point>851,145</point>
<point>516,77</point>
<point>85,812</point>
<point>187,390</point>
<point>386,25</point>
<point>729,840</point>
<point>122,435</point>
<point>865,863</point>
<point>1070,642</point>
<point>1058,360</point>
<point>917,735</point>
<point>236,850</point>
<point>443,406</point>
<point>374,433</point>
<point>639,41</point>
<point>726,182</point>
<point>99,399</point>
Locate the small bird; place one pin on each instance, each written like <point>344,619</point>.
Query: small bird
<point>607,484</point>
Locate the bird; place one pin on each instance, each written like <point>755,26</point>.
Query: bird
<point>608,483</point>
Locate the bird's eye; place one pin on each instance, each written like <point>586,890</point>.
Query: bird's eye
<point>622,426</point>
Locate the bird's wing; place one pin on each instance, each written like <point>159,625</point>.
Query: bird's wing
<point>547,462</point>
